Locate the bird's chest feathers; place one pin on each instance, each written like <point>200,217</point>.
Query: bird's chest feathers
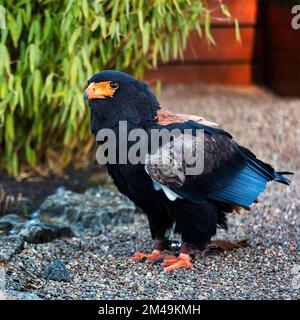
<point>131,180</point>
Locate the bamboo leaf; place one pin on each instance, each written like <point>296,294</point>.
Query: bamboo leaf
<point>48,25</point>
<point>51,48</point>
<point>85,8</point>
<point>30,154</point>
<point>115,10</point>
<point>5,60</point>
<point>225,11</point>
<point>9,128</point>
<point>74,71</point>
<point>95,24</point>
<point>177,7</point>
<point>14,164</point>
<point>141,20</point>
<point>73,40</point>
<point>146,37</point>
<point>209,37</point>
<point>15,26</point>
<point>34,57</point>
<point>103,26</point>
<point>49,86</point>
<point>37,84</point>
<point>237,32</point>
<point>127,6</point>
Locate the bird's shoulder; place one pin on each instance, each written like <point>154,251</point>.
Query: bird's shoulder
<point>167,117</point>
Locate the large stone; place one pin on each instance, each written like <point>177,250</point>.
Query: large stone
<point>41,232</point>
<point>57,271</point>
<point>8,223</point>
<point>88,212</point>
<point>32,231</point>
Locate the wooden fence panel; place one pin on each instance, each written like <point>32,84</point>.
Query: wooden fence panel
<point>228,62</point>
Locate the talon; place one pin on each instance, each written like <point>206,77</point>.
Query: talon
<point>183,261</point>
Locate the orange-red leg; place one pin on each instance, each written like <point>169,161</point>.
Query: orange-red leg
<point>156,255</point>
<point>153,256</point>
<point>182,261</point>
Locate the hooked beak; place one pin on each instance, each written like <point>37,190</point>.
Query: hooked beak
<point>99,90</point>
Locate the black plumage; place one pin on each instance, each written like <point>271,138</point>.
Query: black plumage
<point>195,205</point>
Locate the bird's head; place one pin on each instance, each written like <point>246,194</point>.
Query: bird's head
<point>117,96</point>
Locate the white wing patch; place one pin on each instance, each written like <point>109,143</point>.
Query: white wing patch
<point>171,195</point>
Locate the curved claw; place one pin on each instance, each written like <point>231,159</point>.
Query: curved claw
<point>183,261</point>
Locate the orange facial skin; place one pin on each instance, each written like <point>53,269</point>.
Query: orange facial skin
<point>100,90</point>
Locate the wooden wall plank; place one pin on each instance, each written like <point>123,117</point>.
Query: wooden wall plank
<point>281,35</point>
<point>245,11</point>
<point>282,67</point>
<point>284,38</point>
<point>239,74</point>
<point>227,62</point>
<point>226,48</point>
<point>284,72</point>
<point>279,15</point>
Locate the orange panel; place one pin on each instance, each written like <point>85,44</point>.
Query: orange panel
<point>226,48</point>
<point>244,10</point>
<point>239,74</point>
<point>228,62</point>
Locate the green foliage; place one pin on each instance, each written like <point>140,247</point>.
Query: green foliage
<point>49,50</point>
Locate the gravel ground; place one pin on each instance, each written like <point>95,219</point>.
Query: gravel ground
<point>270,126</point>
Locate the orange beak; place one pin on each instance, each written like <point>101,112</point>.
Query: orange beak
<point>99,90</point>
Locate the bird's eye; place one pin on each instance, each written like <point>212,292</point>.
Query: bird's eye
<point>114,85</point>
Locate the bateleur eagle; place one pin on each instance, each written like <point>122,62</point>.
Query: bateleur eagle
<point>196,205</point>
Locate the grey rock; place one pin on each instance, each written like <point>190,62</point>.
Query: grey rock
<point>88,212</point>
<point>42,233</point>
<point>32,231</point>
<point>57,271</point>
<point>5,227</point>
<point>9,221</point>
<point>10,246</point>
<point>20,295</point>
